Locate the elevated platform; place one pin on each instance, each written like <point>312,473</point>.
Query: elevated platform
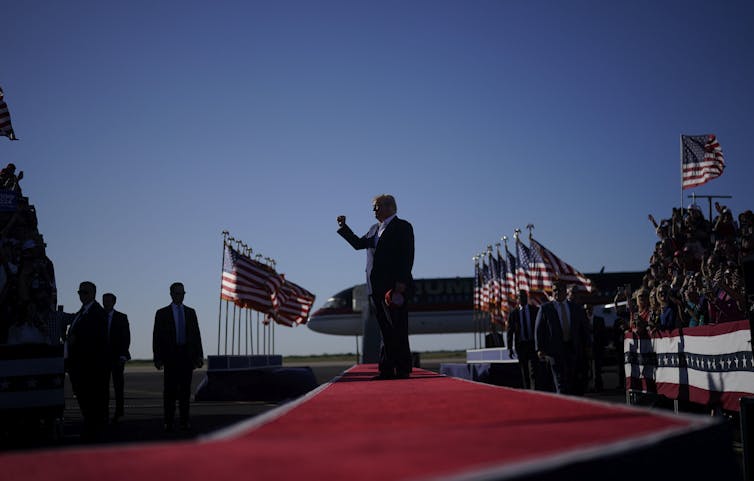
<point>426,427</point>
<point>492,365</point>
<point>253,378</point>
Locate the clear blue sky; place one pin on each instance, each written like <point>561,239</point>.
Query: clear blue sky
<point>147,128</point>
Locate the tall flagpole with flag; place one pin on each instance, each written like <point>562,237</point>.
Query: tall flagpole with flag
<point>220,313</point>
<point>701,160</point>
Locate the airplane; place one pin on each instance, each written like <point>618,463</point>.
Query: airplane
<point>441,305</point>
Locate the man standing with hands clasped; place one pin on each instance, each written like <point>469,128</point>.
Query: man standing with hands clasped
<point>390,258</point>
<point>119,338</point>
<point>177,346</point>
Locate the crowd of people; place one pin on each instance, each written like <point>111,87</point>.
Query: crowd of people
<point>28,294</point>
<point>695,274</point>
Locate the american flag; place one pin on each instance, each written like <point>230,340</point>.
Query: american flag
<point>6,129</point>
<point>295,307</point>
<point>701,160</point>
<point>502,274</point>
<point>477,285</point>
<point>494,279</point>
<point>248,283</point>
<point>511,293</point>
<point>540,278</point>
<point>559,269</point>
<point>485,289</point>
<point>522,269</point>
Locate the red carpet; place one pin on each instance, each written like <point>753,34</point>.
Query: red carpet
<point>354,429</point>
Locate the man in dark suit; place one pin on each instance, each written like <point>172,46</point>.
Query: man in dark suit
<point>562,338</point>
<point>119,336</point>
<point>390,258</point>
<point>520,339</point>
<point>600,339</point>
<point>177,346</point>
<point>87,362</point>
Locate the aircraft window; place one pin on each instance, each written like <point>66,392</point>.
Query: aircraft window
<point>335,303</point>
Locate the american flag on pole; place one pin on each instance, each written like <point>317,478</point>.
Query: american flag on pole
<point>494,280</point>
<point>559,269</point>
<point>477,285</point>
<point>296,302</point>
<point>505,305</point>
<point>248,283</point>
<point>522,269</point>
<point>511,292</point>
<point>540,278</point>
<point>485,290</point>
<point>6,129</point>
<point>701,160</point>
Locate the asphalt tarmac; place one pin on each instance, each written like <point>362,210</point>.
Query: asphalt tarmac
<point>143,423</point>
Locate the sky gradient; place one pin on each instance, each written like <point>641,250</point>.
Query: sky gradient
<point>147,128</point>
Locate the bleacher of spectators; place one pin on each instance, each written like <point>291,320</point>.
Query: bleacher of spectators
<point>695,275</point>
<point>28,296</point>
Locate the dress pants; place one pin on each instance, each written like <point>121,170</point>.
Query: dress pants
<point>116,373</point>
<point>564,370</point>
<point>527,362</point>
<point>395,352</point>
<point>177,386</point>
<point>91,389</point>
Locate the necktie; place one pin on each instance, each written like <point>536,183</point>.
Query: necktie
<point>564,322</point>
<point>180,328</point>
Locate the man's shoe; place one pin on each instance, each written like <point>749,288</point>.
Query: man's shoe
<point>383,376</point>
<point>402,375</point>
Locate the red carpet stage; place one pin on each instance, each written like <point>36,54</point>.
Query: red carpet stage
<point>426,427</point>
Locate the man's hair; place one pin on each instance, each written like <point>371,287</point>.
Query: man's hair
<point>175,285</point>
<point>387,200</point>
<point>109,294</point>
<point>89,284</point>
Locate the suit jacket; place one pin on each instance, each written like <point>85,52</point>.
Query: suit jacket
<point>393,256</point>
<point>164,346</point>
<point>549,332</point>
<point>120,336</point>
<point>87,341</point>
<point>515,326</point>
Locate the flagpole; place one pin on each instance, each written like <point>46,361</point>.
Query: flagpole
<point>681,159</point>
<point>225,234</point>
<point>505,281</point>
<point>230,240</point>
<point>477,341</point>
<point>477,294</point>
<point>249,335</point>
<point>272,264</point>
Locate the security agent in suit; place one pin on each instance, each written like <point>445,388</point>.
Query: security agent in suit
<point>177,346</point>
<point>562,337</point>
<point>119,337</point>
<point>390,258</point>
<point>520,339</point>
<point>600,339</point>
<point>86,361</point>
